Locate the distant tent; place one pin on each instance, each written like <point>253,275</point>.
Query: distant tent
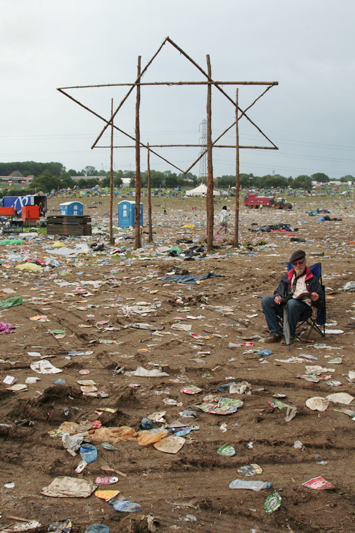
<point>199,191</point>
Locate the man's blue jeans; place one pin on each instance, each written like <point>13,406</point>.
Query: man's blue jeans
<point>295,308</point>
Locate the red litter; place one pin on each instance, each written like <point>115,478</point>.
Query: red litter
<point>318,483</point>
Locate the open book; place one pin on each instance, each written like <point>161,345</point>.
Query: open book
<point>303,296</point>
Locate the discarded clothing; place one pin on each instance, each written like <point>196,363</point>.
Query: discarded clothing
<point>327,218</point>
<point>184,241</point>
<point>317,211</point>
<point>266,228</point>
<point>191,279</point>
<point>6,328</point>
<point>297,239</point>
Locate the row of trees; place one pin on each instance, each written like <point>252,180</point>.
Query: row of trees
<point>31,168</point>
<point>277,181</point>
<point>46,181</point>
<point>54,175</point>
<point>248,181</point>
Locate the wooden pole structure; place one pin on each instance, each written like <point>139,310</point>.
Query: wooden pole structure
<point>137,82</point>
<point>111,176</point>
<point>138,162</point>
<point>210,80</point>
<point>229,128</point>
<point>209,196</point>
<point>108,122</point>
<point>236,229</point>
<point>150,237</point>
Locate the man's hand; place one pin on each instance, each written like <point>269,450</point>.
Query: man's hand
<point>314,297</point>
<point>277,299</point>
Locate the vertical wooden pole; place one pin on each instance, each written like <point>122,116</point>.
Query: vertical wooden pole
<point>150,237</point>
<point>236,229</point>
<point>111,176</point>
<point>209,196</point>
<point>138,162</point>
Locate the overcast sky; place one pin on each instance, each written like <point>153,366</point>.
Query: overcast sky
<point>307,46</point>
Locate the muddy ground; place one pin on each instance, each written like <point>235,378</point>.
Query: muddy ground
<point>188,491</point>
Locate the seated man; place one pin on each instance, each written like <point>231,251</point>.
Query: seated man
<point>298,290</point>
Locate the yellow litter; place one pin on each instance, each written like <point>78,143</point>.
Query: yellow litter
<point>28,266</point>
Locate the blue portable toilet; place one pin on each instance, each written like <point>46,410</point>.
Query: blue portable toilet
<point>71,209</point>
<point>126,211</point>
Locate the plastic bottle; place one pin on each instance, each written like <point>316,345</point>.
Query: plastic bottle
<point>146,423</point>
<point>309,357</point>
<point>88,453</point>
<point>251,485</point>
<point>58,381</point>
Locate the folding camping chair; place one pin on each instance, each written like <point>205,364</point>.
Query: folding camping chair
<point>315,320</point>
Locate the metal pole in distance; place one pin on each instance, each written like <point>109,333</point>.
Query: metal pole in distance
<point>150,238</point>
<point>209,196</point>
<point>111,176</point>
<point>138,162</point>
<point>236,229</point>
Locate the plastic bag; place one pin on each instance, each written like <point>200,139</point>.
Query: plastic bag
<point>11,241</point>
<point>28,266</point>
<point>69,487</point>
<point>146,437</point>
<point>113,435</point>
<point>11,302</point>
<point>73,428</point>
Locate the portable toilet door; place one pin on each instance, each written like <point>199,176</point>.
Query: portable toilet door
<point>125,214</point>
<point>133,211</point>
<point>77,209</point>
<point>64,209</point>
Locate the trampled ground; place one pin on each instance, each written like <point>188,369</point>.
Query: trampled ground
<point>187,491</point>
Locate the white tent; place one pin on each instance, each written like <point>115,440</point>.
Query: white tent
<point>199,191</point>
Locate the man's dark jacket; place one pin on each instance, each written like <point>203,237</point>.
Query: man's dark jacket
<point>312,284</point>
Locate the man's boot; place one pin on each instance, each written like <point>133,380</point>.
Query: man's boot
<point>273,337</point>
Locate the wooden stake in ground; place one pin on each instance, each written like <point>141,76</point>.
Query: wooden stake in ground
<point>209,195</point>
<point>236,229</point>
<point>138,162</point>
<point>150,237</point>
<point>111,175</point>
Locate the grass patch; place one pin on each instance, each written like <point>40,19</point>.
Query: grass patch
<point>41,231</point>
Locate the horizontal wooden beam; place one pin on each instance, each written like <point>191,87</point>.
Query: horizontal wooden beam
<point>195,146</point>
<point>155,83</point>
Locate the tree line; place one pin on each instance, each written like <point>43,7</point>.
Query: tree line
<point>49,176</point>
